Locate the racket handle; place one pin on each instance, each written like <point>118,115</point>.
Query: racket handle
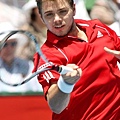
<point>64,69</point>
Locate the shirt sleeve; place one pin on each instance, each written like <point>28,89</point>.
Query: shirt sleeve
<point>50,76</point>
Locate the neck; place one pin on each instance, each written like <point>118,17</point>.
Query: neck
<point>78,33</point>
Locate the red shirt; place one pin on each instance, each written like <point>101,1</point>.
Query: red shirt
<point>96,96</point>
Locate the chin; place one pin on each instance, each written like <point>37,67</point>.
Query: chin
<point>60,34</point>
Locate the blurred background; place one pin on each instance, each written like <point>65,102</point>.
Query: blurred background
<point>27,102</point>
<point>17,3</point>
<point>24,102</point>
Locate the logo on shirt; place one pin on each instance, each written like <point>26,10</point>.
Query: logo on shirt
<point>99,34</point>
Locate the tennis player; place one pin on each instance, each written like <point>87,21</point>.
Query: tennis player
<point>91,91</point>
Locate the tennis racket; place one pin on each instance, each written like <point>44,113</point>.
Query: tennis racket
<point>47,66</point>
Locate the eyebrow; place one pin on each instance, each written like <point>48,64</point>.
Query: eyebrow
<point>48,11</point>
<point>62,9</point>
<point>57,10</point>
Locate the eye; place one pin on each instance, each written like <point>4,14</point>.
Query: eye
<point>63,12</point>
<point>49,15</point>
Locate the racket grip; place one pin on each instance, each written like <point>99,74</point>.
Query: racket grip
<point>64,69</point>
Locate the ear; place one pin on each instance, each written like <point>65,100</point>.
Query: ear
<point>74,10</point>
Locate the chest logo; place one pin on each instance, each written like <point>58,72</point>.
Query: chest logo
<point>99,34</point>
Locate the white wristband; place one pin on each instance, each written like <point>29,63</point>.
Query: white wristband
<point>64,87</point>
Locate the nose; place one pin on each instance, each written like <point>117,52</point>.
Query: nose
<point>57,19</point>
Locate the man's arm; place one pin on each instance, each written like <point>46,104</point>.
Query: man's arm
<point>58,99</point>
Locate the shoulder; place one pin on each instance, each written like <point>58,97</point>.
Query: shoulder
<point>89,22</point>
<point>95,23</point>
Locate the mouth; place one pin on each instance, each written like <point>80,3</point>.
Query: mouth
<point>59,26</point>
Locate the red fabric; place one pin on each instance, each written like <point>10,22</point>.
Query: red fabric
<point>24,108</point>
<point>96,96</point>
<point>36,61</point>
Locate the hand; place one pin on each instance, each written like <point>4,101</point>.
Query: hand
<point>73,76</point>
<point>113,52</point>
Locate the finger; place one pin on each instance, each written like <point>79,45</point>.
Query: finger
<point>73,66</point>
<point>114,52</point>
<point>77,72</point>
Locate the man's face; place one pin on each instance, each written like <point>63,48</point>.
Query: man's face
<point>7,53</point>
<point>58,16</point>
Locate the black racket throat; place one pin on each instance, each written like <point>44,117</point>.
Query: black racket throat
<point>57,68</point>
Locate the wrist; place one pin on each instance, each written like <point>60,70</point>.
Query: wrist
<point>64,87</point>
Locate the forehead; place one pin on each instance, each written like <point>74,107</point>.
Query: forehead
<point>54,4</point>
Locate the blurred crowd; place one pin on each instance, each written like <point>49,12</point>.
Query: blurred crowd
<point>17,53</point>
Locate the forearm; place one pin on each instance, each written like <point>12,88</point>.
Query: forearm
<point>57,100</point>
<point>58,95</point>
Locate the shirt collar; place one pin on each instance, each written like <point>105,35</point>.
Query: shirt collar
<point>88,29</point>
<point>54,39</point>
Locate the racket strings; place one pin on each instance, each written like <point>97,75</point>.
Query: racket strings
<point>15,81</point>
